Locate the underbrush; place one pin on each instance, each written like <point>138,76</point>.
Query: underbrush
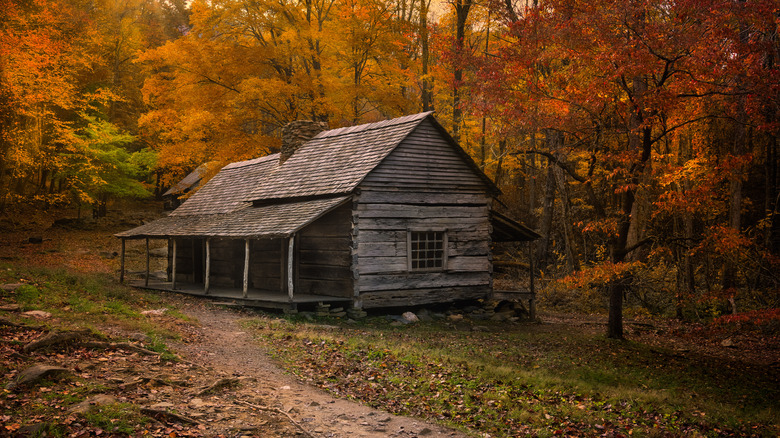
<point>69,301</point>
<point>88,301</point>
<point>527,379</point>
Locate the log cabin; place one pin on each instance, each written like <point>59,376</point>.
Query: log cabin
<point>174,196</point>
<point>384,214</point>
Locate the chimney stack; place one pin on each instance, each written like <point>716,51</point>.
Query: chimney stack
<point>296,133</point>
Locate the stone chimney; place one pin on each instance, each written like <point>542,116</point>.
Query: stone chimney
<point>295,134</point>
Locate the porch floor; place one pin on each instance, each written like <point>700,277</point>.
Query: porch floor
<point>254,298</point>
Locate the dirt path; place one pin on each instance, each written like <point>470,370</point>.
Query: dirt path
<point>223,345</point>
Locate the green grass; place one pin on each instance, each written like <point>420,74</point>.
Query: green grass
<point>528,379</point>
<point>509,381</point>
<point>80,301</point>
<point>117,418</point>
<point>87,301</point>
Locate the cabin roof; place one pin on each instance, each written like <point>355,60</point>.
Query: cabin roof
<point>335,161</point>
<point>321,171</point>
<point>506,229</point>
<point>190,181</point>
<point>267,221</point>
<point>225,192</point>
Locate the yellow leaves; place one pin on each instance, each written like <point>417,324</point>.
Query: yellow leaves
<point>689,171</point>
<point>223,90</point>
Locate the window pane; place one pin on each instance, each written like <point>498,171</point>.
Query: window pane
<point>426,250</point>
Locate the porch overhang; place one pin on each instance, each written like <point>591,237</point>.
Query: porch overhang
<point>271,221</point>
<point>506,229</point>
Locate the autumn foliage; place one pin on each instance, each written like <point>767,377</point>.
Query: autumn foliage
<point>638,137</point>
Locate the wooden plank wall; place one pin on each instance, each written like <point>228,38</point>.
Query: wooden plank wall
<point>184,262</point>
<point>265,265</point>
<point>423,184</point>
<point>227,263</point>
<point>324,255</point>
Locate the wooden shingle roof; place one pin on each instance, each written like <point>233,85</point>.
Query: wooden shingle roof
<point>319,176</point>
<point>191,181</point>
<point>225,192</point>
<point>267,221</point>
<point>335,161</point>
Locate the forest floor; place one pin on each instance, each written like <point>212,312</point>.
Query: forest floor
<point>251,394</point>
<point>200,369</point>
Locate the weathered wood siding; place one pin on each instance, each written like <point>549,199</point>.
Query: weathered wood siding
<point>324,255</point>
<point>423,184</point>
<point>189,260</point>
<point>266,265</point>
<point>227,263</point>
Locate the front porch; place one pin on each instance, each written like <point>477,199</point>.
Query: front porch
<point>252,298</point>
<point>272,273</point>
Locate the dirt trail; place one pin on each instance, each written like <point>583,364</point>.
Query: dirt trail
<point>223,345</point>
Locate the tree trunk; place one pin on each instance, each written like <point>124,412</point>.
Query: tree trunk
<point>500,162</point>
<point>548,207</point>
<point>738,149</point>
<point>638,138</point>
<point>572,260</point>
<point>462,8</point>
<point>427,82</point>
<point>615,322</point>
<point>728,282</point>
<point>770,193</point>
<point>686,283</point>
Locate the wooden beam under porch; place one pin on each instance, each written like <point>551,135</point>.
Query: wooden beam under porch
<point>254,297</point>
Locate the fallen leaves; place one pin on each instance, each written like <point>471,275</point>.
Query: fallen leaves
<point>412,374</point>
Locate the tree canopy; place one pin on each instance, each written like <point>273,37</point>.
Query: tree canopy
<point>639,137</point>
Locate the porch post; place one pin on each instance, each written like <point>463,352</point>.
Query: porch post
<point>290,260</point>
<point>173,266</point>
<point>246,267</point>
<point>122,263</point>
<point>206,274</point>
<point>146,281</point>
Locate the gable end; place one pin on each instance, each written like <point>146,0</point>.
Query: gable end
<point>428,159</point>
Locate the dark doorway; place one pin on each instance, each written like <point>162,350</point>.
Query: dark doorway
<point>198,260</point>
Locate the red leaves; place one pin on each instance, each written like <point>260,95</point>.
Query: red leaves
<point>756,318</point>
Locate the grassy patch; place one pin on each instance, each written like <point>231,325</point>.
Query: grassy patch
<point>86,300</point>
<point>527,379</point>
<point>117,418</point>
<point>75,301</point>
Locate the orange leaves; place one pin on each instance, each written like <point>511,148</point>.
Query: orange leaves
<point>223,90</point>
<point>726,241</point>
<point>601,274</point>
<point>606,226</point>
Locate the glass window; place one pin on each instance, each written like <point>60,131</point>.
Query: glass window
<point>427,250</point>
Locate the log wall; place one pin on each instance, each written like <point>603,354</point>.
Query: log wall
<point>266,262</point>
<point>324,255</point>
<point>189,260</point>
<point>423,185</point>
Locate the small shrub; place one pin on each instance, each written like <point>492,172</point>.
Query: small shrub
<point>28,296</point>
<point>767,321</point>
<point>115,418</point>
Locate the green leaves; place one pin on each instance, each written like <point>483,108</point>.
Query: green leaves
<point>99,163</point>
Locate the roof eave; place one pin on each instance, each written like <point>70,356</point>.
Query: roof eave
<point>517,231</point>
